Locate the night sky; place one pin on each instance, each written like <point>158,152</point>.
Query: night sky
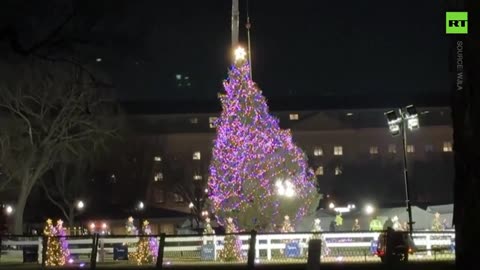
<point>303,48</point>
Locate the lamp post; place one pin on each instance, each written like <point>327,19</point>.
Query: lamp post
<point>398,121</point>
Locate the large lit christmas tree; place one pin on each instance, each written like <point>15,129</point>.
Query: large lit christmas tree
<point>257,174</point>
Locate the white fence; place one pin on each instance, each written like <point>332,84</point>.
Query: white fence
<point>267,242</point>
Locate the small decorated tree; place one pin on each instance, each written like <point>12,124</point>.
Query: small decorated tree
<point>316,229</point>
<point>130,227</point>
<point>146,250</point>
<point>231,245</point>
<point>55,253</point>
<point>287,225</point>
<point>436,224</point>
<point>208,227</point>
<point>61,234</point>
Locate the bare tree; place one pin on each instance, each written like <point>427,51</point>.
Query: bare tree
<point>183,183</point>
<point>65,185</point>
<point>49,111</point>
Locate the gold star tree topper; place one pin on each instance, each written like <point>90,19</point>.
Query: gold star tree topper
<point>240,55</point>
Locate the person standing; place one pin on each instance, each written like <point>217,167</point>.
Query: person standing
<point>356,226</point>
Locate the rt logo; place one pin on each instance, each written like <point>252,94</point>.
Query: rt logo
<point>457,22</point>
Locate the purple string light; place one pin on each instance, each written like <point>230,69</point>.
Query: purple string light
<point>251,152</point>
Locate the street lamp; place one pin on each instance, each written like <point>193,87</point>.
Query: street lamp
<point>369,209</point>
<point>331,205</point>
<point>8,210</point>
<point>398,121</point>
<point>141,205</point>
<point>80,205</point>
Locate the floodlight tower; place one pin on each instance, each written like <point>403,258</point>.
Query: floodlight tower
<point>398,122</point>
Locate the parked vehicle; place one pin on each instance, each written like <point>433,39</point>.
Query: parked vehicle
<point>394,246</point>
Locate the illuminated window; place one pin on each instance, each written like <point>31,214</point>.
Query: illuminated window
<point>157,158</point>
<point>392,149</point>
<point>158,177</point>
<point>197,155</point>
<point>177,198</point>
<point>212,121</point>
<point>318,151</point>
<point>319,170</point>
<point>113,179</point>
<point>338,170</point>
<point>373,150</point>
<point>428,148</point>
<point>294,116</point>
<point>197,177</point>
<point>178,76</point>
<point>194,120</point>
<point>447,147</point>
<point>410,148</point>
<point>338,150</point>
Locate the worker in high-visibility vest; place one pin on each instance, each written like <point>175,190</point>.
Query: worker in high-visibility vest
<point>339,221</point>
<point>376,225</point>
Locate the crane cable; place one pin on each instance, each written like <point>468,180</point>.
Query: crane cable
<point>247,26</point>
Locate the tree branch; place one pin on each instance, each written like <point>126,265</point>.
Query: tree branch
<point>52,200</point>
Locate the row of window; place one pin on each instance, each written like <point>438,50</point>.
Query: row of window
<point>196,156</point>
<point>212,120</point>
<point>158,176</point>
<point>319,171</point>
<point>392,148</point>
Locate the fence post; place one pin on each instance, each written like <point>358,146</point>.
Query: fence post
<point>44,250</point>
<point>269,247</point>
<point>314,253</point>
<point>251,250</point>
<point>102,250</point>
<point>40,250</point>
<point>429,244</point>
<point>93,256</point>
<point>161,247</point>
<point>215,245</point>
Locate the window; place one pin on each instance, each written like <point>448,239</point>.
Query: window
<point>294,116</point>
<point>158,177</point>
<point>113,179</point>
<point>194,120</point>
<point>212,121</point>
<point>392,149</point>
<point>338,170</point>
<point>178,76</point>
<point>447,147</point>
<point>373,150</point>
<point>428,148</point>
<point>319,170</point>
<point>177,198</point>
<point>338,150</point>
<point>157,158</point>
<point>197,155</point>
<point>410,148</point>
<point>318,151</point>
<point>197,177</point>
<point>159,196</point>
